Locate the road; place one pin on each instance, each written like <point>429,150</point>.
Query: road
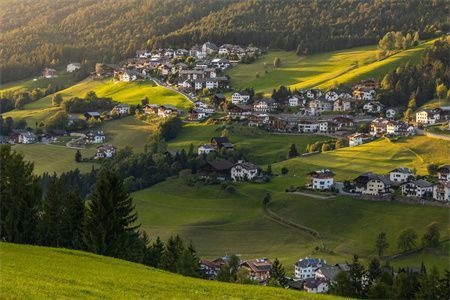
<point>165,85</point>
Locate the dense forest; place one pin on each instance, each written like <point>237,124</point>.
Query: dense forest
<point>35,34</point>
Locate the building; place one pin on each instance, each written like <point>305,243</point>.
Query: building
<point>210,269</point>
<point>105,151</point>
<point>357,139</point>
<point>443,173</point>
<point>373,184</point>
<point>428,116</point>
<point>196,115</point>
<point>244,171</point>
<point>125,75</point>
<point>265,105</point>
<point>362,92</point>
<point>259,269</point>
<point>417,188</point>
<point>121,109</point>
<point>49,73</point>
<point>240,98</point>
<point>378,126</point>
<point>441,191</point>
<point>218,168</point>
<point>327,127</point>
<point>391,113</point>
<point>308,126</point>
<point>72,67</point>
<point>167,110</point>
<point>205,149</point>
<point>399,128</point>
<point>316,285</point>
<point>306,267</point>
<point>329,272</point>
<point>373,107</point>
<point>27,138</point>
<point>97,137</point>
<point>321,180</point>
<point>293,101</point>
<point>401,175</point>
<point>343,105</point>
<point>220,143</point>
<point>320,105</point>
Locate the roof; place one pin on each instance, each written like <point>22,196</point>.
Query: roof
<point>106,148</point>
<point>420,183</point>
<point>258,265</point>
<point>310,262</point>
<point>220,165</point>
<point>321,174</point>
<point>366,177</point>
<point>93,113</point>
<point>206,146</point>
<point>444,168</point>
<point>403,170</point>
<point>247,165</point>
<point>220,139</point>
<point>313,283</point>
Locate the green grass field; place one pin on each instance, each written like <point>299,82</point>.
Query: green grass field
<point>43,273</point>
<point>64,80</point>
<point>322,70</point>
<point>263,148</point>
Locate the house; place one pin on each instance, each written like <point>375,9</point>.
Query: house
<point>417,188</point>
<point>121,109</point>
<point>357,139</point>
<point>327,126</point>
<point>332,95</point>
<point>306,267</point>
<point>220,143</point>
<point>218,168</point>
<point>305,126</point>
<point>49,73</point>
<point>92,114</point>
<point>241,111</point>
<point>342,104</point>
<point>150,109</point>
<point>329,272</point>
<point>74,120</point>
<point>265,105</point>
<point>167,110</point>
<point>27,137</point>
<point>390,113</point>
<point>321,180</point>
<point>243,171</point>
<point>259,269</point>
<point>72,67</point>
<point>441,191</point>
<point>372,184</point>
<point>343,121</point>
<point>428,116</point>
<point>205,149</point>
<point>443,173</point>
<point>373,107</point>
<point>97,137</point>
<point>258,120</point>
<point>378,126</point>
<point>105,151</point>
<point>316,286</point>
<point>203,106</point>
<point>210,83</point>
<point>240,97</point>
<point>221,63</point>
<point>293,101</point>
<point>401,175</point>
<point>320,105</point>
<point>196,115</point>
<point>209,48</point>
<point>313,94</point>
<point>210,269</point>
<point>361,92</point>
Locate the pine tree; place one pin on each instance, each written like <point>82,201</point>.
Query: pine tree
<point>173,250</point>
<point>78,156</point>
<point>381,243</point>
<point>293,151</point>
<point>51,217</point>
<point>72,220</point>
<point>356,274</point>
<point>110,216</point>
<point>155,253</point>
<point>269,170</point>
<point>188,262</point>
<point>277,274</point>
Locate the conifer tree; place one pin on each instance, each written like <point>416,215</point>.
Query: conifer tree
<point>72,220</point>
<point>293,151</point>
<point>51,218</point>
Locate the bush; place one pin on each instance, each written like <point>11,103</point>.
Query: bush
<point>230,189</point>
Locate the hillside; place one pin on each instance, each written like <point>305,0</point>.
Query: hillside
<point>76,274</point>
<point>323,70</point>
<point>35,34</point>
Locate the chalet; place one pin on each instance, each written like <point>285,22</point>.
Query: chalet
<point>399,128</point>
<point>49,73</point>
<point>221,63</point>
<point>181,53</point>
<point>378,126</point>
<point>203,106</point>
<point>391,113</point>
<point>306,267</point>
<point>441,191</point>
<point>343,104</point>
<point>209,48</point>
<point>92,115</point>
<point>443,173</point>
<point>224,50</point>
<point>210,83</point>
<point>327,126</point>
<point>343,122</point>
<point>196,115</point>
<point>357,139</point>
<point>316,285</point>
<point>26,137</point>
<point>372,184</point>
<point>305,126</point>
<point>239,111</point>
<point>320,105</point>
<point>121,109</point>
<point>313,94</point>
<point>281,123</point>
<point>258,120</point>
<point>243,171</point>
<point>332,95</point>
<point>210,269</point>
<point>265,105</point>
<point>217,168</point>
<point>401,175</point>
<point>293,101</point>
<point>373,107</point>
<point>259,269</point>
<point>361,92</point>
<point>191,74</point>
<point>167,110</point>
<point>150,109</point>
<point>240,97</point>
<point>329,272</point>
<point>97,137</point>
<point>72,67</point>
<point>197,53</point>
<point>105,151</point>
<point>220,143</point>
<point>417,188</point>
<point>321,180</point>
<point>205,149</point>
<point>105,70</point>
<point>428,116</point>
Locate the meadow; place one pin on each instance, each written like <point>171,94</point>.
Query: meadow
<point>63,80</point>
<point>324,70</point>
<point>77,274</point>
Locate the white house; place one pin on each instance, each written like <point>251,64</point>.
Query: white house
<point>321,180</point>
<point>97,137</point>
<point>240,98</point>
<point>443,173</point>
<point>373,107</point>
<point>428,116</point>
<point>27,138</point>
<point>441,191</point>
<point>121,109</point>
<point>243,171</point>
<point>417,188</point>
<point>293,101</point>
<point>316,285</point>
<point>72,67</point>
<point>308,126</point>
<point>357,139</point>
<point>306,267</point>
<point>401,175</point>
<point>331,95</point>
<point>49,73</point>
<point>390,113</point>
<point>265,105</point>
<point>205,149</point>
<point>105,151</point>
<point>167,110</point>
<point>372,184</point>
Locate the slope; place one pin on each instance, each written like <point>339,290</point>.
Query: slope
<point>76,274</point>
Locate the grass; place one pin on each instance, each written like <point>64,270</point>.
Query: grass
<point>322,70</point>
<point>43,272</point>
<point>64,80</point>
<point>263,148</point>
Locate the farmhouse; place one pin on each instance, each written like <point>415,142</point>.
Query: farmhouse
<point>259,269</point>
<point>105,151</point>
<point>390,113</point>
<point>327,126</point>
<point>265,105</point>
<point>97,137</point>
<point>92,114</point>
<point>316,285</point>
<point>221,63</point>
<point>373,107</point>
<point>204,106</point>
<point>210,83</point>
<point>243,171</point>
<point>72,67</point>
<point>210,269</point>
<point>332,95</point>
<point>218,168</point>
<point>205,149</point>
<point>305,126</point>
<point>417,188</point>
<point>428,116</point>
<point>27,137</point>
<point>443,173</point>
<point>209,48</point>
<point>401,175</point>
<point>441,191</point>
<point>49,73</point>
<point>125,75</point>
<point>321,180</point>
<point>306,267</point>
<point>329,272</point>
<point>167,110</point>
<point>150,109</point>
<point>240,97</point>
<point>372,184</point>
<point>220,143</point>
<point>357,139</point>
<point>258,119</point>
<point>121,109</point>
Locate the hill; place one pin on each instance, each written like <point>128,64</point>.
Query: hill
<point>324,70</point>
<point>76,274</point>
<point>37,33</point>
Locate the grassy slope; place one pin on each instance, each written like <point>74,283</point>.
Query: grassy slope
<point>64,80</point>
<point>122,132</point>
<point>319,70</point>
<point>76,274</point>
<point>264,147</point>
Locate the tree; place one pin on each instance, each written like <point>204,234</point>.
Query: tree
<point>379,290</point>
<point>228,272</point>
<point>441,91</point>
<point>431,236</point>
<point>277,274</point>
<point>269,170</point>
<point>154,254</point>
<point>429,285</point>
<point>187,263</point>
<point>284,170</point>
<point>20,196</point>
<point>340,143</point>
<point>267,199</point>
<point>78,156</point>
<point>72,220</point>
<point>407,240</point>
<point>276,62</point>
<point>381,244</point>
<point>342,285</point>
<point>174,248</point>
<point>356,274</point>
<point>109,224</point>
<point>432,169</point>
<point>20,102</point>
<point>51,218</point>
<point>225,133</point>
<point>57,100</point>
<point>292,151</point>
<point>374,270</point>
<point>325,147</point>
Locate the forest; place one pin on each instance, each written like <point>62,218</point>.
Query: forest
<point>47,33</point>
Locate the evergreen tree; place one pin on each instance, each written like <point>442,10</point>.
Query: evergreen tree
<point>277,274</point>
<point>173,250</point>
<point>72,220</point>
<point>155,253</point>
<point>374,270</point>
<point>269,170</point>
<point>407,240</point>
<point>51,215</point>
<point>188,262</point>
<point>381,244</point>
<point>355,275</point>
<point>20,196</point>
<point>293,151</point>
<point>78,156</point>
<point>109,224</point>
<point>431,236</point>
